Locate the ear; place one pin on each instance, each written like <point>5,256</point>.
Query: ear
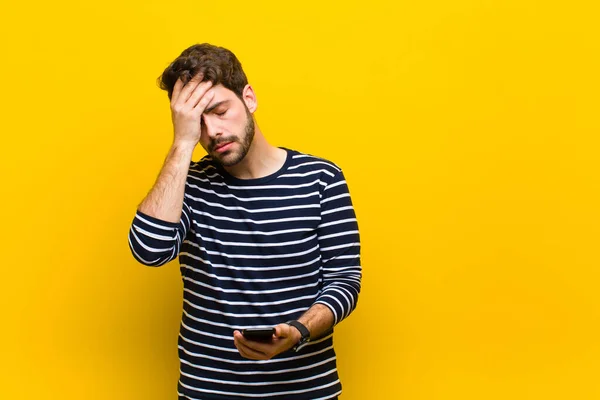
<point>249,98</point>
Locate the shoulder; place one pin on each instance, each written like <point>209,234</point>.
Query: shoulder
<point>304,162</point>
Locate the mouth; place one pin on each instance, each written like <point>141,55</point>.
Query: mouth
<point>221,147</point>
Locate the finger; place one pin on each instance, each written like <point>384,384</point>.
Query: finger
<point>250,354</point>
<point>258,347</point>
<point>201,94</point>
<point>283,330</point>
<point>247,351</point>
<point>251,344</point>
<point>176,90</point>
<point>204,102</point>
<point>189,87</point>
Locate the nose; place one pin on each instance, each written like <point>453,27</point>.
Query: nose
<point>210,127</point>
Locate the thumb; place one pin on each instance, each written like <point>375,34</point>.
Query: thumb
<point>282,330</point>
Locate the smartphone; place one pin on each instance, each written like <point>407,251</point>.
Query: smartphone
<point>258,335</point>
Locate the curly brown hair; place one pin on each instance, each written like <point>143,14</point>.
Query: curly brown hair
<point>218,65</point>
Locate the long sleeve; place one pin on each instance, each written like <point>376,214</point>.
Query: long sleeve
<point>154,242</point>
<point>339,242</point>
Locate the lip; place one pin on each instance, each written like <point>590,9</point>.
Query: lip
<point>223,147</point>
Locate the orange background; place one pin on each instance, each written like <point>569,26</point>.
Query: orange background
<point>468,131</point>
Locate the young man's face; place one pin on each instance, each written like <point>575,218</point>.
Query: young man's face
<point>227,127</point>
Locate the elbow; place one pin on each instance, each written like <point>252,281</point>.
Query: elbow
<point>341,297</point>
<point>149,256</point>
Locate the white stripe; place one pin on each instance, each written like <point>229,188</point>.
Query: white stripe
<point>209,346</point>
<point>302,155</point>
<point>212,183</point>
<point>260,257</point>
<point>214,175</point>
<point>279,244</point>
<point>151,249</point>
<point>339,196</point>
<point>338,183</point>
<point>230,267</point>
<point>347,257</point>
<point>153,235</point>
<point>163,227</point>
<point>314,163</point>
<point>245,232</point>
<point>213,323</point>
<point>337,210</point>
<point>341,246</point>
<point>140,258</point>
<point>269,187</point>
<point>352,298</point>
<point>211,335</point>
<point>185,213</point>
<point>211,311</point>
<point>345,310</point>
<point>207,166</point>
<point>340,274</point>
<point>346,268</point>
<point>318,171</point>
<point>344,278</point>
<point>279,371</point>
<point>350,286</point>
<point>248,199</point>
<point>267,221</point>
<point>218,289</point>
<point>237,383</point>
<point>348,281</point>
<point>259,394</point>
<point>333,235</point>
<point>258,210</point>
<point>227,278</point>
<point>249,303</point>
<point>341,221</point>
<point>330,397</point>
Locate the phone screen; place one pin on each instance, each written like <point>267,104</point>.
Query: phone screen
<point>258,335</point>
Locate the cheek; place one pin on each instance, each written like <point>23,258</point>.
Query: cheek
<point>239,118</point>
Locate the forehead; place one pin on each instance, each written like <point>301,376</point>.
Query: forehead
<point>223,98</point>
<point>222,93</point>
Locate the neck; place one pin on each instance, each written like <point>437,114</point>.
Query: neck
<point>262,159</point>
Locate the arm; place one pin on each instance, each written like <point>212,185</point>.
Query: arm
<point>339,241</point>
<point>165,199</point>
<point>340,252</point>
<point>163,217</point>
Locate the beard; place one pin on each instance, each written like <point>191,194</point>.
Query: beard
<point>230,158</point>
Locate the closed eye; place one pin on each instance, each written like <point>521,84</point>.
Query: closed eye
<point>218,105</point>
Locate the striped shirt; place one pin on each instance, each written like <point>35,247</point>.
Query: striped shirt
<point>257,253</point>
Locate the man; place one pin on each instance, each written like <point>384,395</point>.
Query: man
<point>266,237</point>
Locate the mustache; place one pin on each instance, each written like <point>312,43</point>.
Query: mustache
<point>214,143</point>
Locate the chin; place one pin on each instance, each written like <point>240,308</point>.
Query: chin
<point>228,159</point>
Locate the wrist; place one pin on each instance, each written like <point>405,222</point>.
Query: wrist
<point>295,335</point>
<point>184,145</point>
<point>300,334</point>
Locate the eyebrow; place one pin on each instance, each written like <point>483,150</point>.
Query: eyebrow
<point>211,108</point>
